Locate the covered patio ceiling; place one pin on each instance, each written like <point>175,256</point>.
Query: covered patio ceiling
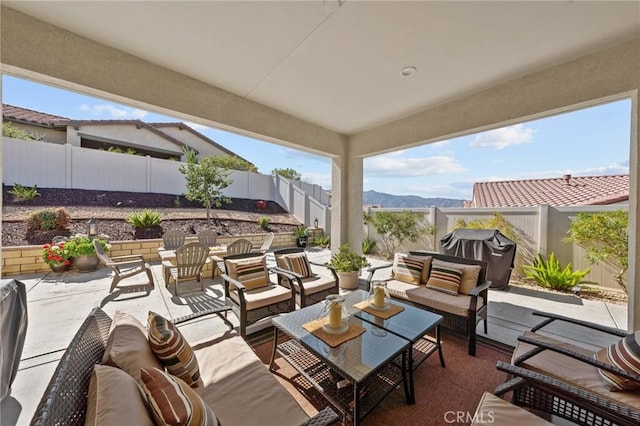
<point>325,76</point>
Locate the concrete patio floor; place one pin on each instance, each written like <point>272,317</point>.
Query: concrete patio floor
<point>57,305</point>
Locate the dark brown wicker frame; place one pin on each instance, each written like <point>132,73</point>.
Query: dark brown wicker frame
<point>602,412</point>
<point>246,316</point>
<point>545,394</point>
<point>64,402</point>
<point>304,298</point>
<point>465,326</point>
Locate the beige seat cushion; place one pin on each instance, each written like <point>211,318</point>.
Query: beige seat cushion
<point>115,399</point>
<point>564,368</point>
<point>128,347</point>
<point>457,305</point>
<point>498,412</point>
<point>263,296</point>
<point>469,279</point>
<point>240,389</point>
<point>315,284</point>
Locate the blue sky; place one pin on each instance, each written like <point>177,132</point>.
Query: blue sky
<point>591,141</point>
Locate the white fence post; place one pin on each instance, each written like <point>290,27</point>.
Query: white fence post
<point>543,228</point>
<point>68,158</point>
<point>147,165</point>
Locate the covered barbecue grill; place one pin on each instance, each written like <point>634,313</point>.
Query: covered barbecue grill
<point>488,245</point>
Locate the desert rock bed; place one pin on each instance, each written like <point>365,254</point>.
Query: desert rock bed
<point>112,208</point>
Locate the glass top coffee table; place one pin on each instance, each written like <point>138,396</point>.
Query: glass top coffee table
<point>412,324</point>
<point>367,362</point>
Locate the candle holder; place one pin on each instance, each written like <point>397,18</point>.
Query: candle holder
<point>335,311</point>
<point>379,296</point>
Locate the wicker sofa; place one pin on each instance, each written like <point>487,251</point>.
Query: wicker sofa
<point>461,312</point>
<point>241,391</point>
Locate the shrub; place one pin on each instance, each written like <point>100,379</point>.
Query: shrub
<point>263,222</point>
<point>81,245</point>
<point>288,173</point>
<point>396,227</point>
<point>347,260</point>
<point>11,131</point>
<point>550,274</point>
<point>322,240</point>
<point>605,237</point>
<point>301,231</point>
<point>24,192</point>
<point>368,245</point>
<point>49,220</point>
<point>144,219</point>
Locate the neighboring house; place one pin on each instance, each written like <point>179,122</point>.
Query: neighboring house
<point>565,191</point>
<point>159,140</point>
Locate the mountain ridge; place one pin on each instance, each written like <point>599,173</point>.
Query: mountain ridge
<point>382,199</point>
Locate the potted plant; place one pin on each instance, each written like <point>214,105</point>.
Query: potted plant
<point>302,235</point>
<point>348,264</point>
<point>57,256</point>
<point>80,247</point>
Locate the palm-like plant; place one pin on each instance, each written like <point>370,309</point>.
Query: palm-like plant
<point>550,274</point>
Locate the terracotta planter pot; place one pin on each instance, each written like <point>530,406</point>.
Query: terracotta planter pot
<point>87,263</point>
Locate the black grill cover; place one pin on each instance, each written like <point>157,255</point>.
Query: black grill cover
<point>13,329</point>
<point>488,245</point>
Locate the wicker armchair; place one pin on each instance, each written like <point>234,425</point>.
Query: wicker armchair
<point>578,392</point>
<point>172,239</point>
<point>190,259</point>
<point>309,290</point>
<point>249,291</point>
<point>123,266</point>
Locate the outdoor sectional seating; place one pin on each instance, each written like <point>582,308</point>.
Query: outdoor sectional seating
<point>233,383</point>
<point>461,312</point>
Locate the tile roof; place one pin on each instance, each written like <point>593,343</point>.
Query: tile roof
<point>566,191</point>
<point>29,116</point>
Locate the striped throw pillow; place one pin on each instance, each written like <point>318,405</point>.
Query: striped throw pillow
<point>624,354</point>
<point>408,268</point>
<point>299,264</point>
<point>252,272</point>
<point>172,349</point>
<point>173,402</point>
<point>444,278</point>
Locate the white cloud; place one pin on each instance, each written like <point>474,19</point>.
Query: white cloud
<point>392,166</point>
<point>322,179</point>
<point>504,137</point>
<point>439,145</point>
<point>112,111</point>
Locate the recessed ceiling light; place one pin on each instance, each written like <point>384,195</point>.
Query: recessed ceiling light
<point>408,71</point>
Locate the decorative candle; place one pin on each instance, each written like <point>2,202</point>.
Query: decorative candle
<point>335,315</point>
<point>378,296</point>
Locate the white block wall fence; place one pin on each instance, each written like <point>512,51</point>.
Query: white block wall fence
<point>51,165</point>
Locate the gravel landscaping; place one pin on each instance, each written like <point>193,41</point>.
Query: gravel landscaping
<point>111,209</point>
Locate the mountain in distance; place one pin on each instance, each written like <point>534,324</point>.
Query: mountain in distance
<point>408,201</point>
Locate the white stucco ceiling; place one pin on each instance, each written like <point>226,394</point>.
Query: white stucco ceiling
<point>341,69</point>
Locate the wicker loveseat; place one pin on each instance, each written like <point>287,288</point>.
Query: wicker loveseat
<point>241,391</point>
<point>461,312</point>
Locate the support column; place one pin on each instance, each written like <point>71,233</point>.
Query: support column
<point>346,202</point>
<point>633,272</point>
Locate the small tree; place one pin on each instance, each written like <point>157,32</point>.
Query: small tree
<point>396,227</point>
<point>288,173</point>
<point>605,237</point>
<point>11,131</point>
<point>205,182</point>
<point>234,163</point>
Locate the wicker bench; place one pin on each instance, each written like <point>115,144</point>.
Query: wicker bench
<point>461,314</point>
<point>65,400</point>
